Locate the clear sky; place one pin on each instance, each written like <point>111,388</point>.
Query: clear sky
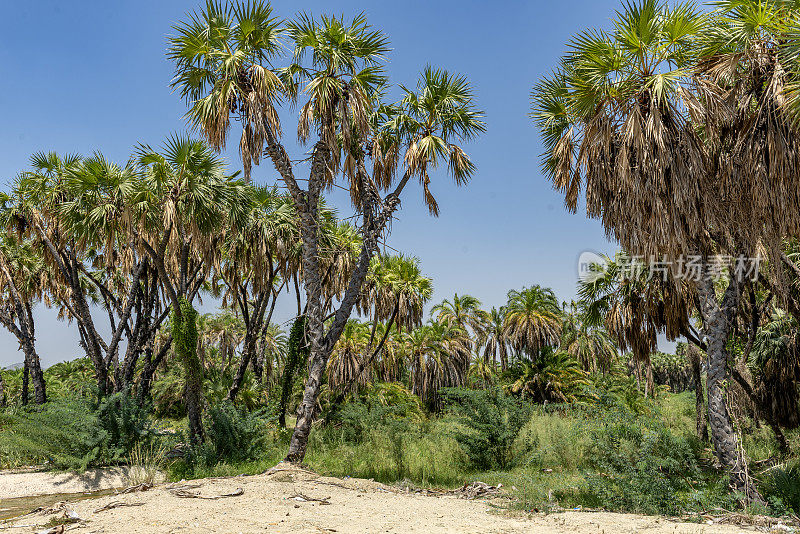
<point>91,75</point>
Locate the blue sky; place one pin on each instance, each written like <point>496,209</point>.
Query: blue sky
<point>92,76</point>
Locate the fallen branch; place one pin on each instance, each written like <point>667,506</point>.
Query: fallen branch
<point>305,498</point>
<point>117,504</point>
<point>144,486</point>
<point>194,495</point>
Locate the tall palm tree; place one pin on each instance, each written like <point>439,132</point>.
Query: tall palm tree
<point>439,356</point>
<point>628,302</point>
<point>255,268</point>
<point>23,279</point>
<point>495,339</point>
<point>592,347</point>
<point>222,57</point>
<point>681,113</point>
<point>37,209</point>
<point>462,312</point>
<point>532,319</point>
<point>336,77</point>
<point>395,294</point>
<point>272,352</point>
<point>221,332</point>
<point>344,364</point>
<point>177,206</point>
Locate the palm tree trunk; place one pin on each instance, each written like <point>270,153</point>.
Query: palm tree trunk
<point>717,321</point>
<point>2,391</point>
<point>297,345</point>
<point>248,354</point>
<point>25,378</point>
<point>649,382</point>
<point>25,332</point>
<point>699,400</point>
<point>34,368</point>
<point>149,370</point>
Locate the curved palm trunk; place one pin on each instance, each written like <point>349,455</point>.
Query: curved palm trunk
<point>21,324</point>
<point>717,321</point>
<point>321,343</point>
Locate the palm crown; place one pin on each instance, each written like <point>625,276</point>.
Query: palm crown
<point>222,60</point>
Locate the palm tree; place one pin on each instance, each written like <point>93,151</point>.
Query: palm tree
<point>36,210</point>
<point>775,366</point>
<point>463,312</point>
<point>592,347</point>
<point>177,206</point>
<point>344,365</point>
<point>222,58</point>
<point>272,353</point>
<point>680,113</point>
<point>532,319</point>
<point>395,292</point>
<point>628,302</point>
<point>495,341</point>
<point>255,269</point>
<point>555,376</point>
<point>439,356</point>
<point>336,70</point>
<point>23,278</point>
<point>218,337</point>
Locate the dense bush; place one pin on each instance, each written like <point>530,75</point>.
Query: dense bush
<point>781,487</point>
<point>64,434</point>
<point>234,434</point>
<point>491,419</point>
<point>384,405</point>
<point>125,423</point>
<point>638,465</point>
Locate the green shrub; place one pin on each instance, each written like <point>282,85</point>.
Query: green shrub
<point>491,421</point>
<point>781,488</point>
<point>64,434</point>
<point>555,441</point>
<point>639,466</point>
<point>125,423</point>
<point>234,434</point>
<point>72,433</point>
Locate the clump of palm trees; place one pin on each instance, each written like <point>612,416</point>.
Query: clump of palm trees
<point>680,126</point>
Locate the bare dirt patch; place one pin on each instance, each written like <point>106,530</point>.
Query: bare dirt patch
<point>287,499</point>
<point>20,483</point>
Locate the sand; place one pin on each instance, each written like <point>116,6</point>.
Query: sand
<point>282,501</point>
<point>26,483</point>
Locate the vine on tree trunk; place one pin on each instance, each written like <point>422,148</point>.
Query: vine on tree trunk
<point>297,350</point>
<point>184,334</point>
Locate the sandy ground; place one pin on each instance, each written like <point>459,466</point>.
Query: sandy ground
<point>26,483</point>
<point>283,501</point>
